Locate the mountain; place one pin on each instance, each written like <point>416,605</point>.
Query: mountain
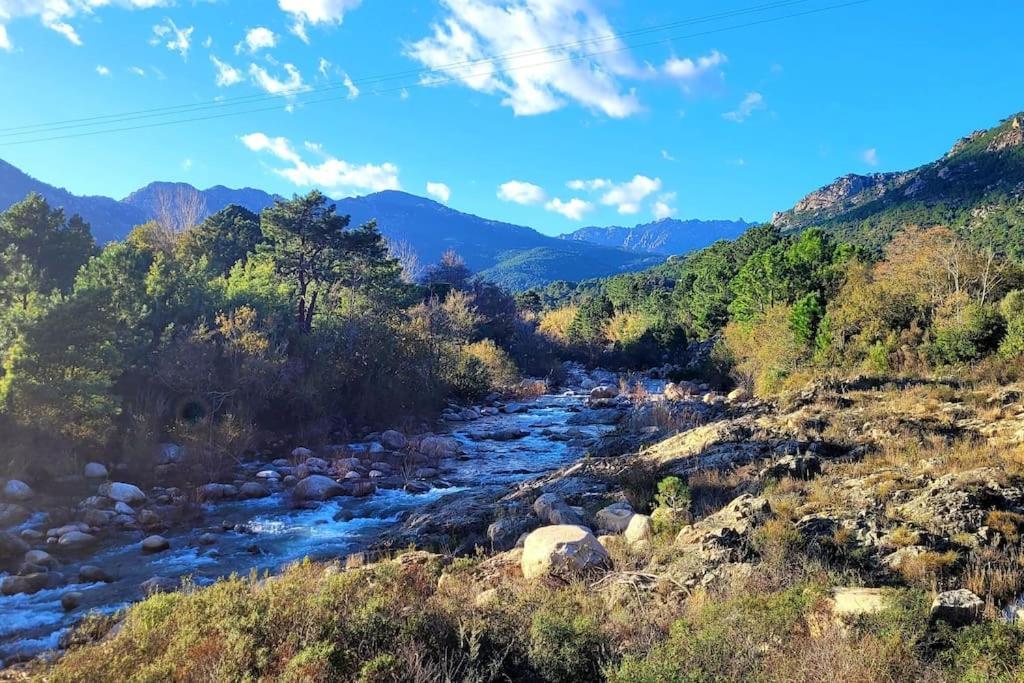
<point>111,219</point>
<point>512,255</point>
<point>977,187</point>
<point>667,236</point>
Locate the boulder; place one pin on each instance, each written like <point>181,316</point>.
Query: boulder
<point>639,529</point>
<point>253,489</point>
<point>30,583</point>
<point>504,532</point>
<point>147,518</point>
<point>74,540</point>
<point>562,551</point>
<point>501,435</point>
<point>12,513</point>
<point>209,493</point>
<point>155,544</point>
<point>958,607</point>
<point>604,391</point>
<point>795,466</point>
<point>615,518</point>
<point>88,573</point>
<point>730,525</point>
<point>681,391</point>
<point>71,600</point>
<point>317,487</point>
<point>596,416</point>
<point>95,470</point>
<point>393,440</point>
<point>739,395</point>
<point>124,509</point>
<point>159,584</point>
<point>553,510</point>
<point>852,602</point>
<point>301,453</point>
<point>439,447</point>
<point>274,474</point>
<point>417,487</point>
<point>18,491</point>
<point>94,517</point>
<point>122,492</point>
<point>207,539</point>
<point>41,558</point>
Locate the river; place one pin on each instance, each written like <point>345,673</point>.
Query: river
<point>272,533</point>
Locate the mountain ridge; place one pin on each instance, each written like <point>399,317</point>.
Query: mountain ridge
<point>666,236</point>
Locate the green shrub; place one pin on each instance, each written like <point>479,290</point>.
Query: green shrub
<point>566,645</point>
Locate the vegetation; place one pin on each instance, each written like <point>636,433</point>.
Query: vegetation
<point>243,325</point>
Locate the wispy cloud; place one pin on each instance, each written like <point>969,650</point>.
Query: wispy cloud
<point>102,70</point>
<point>870,156</point>
<point>521,192</point>
<point>306,12</point>
<point>256,39</point>
<point>227,75</point>
<point>753,101</point>
<point>439,191</point>
<point>290,86</point>
<point>573,209</point>
<point>172,37</point>
<point>697,75</point>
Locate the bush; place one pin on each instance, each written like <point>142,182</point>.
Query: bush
<point>566,646</point>
<point>501,370</point>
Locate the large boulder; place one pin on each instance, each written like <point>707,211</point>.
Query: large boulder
<point>11,546</point>
<point>125,493</point>
<point>209,493</point>
<point>640,529</point>
<point>553,510</point>
<point>95,470</point>
<point>317,487</point>
<point>562,551</point>
<point>596,416</point>
<point>615,518</point>
<point>18,491</point>
<point>439,447</point>
<point>155,544</point>
<point>88,573</point>
<point>958,608</point>
<point>729,526</point>
<point>393,440</point>
<point>30,583</point>
<point>75,540</point>
<point>253,489</point>
<point>855,601</point>
<point>12,513</point>
<point>603,392</point>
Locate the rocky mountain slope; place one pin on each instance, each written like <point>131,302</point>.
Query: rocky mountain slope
<point>978,187</point>
<point>667,236</point>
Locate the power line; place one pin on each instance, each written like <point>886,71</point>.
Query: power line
<point>366,82</point>
<point>439,81</point>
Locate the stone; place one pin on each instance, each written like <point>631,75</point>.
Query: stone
<point>562,551</point>
<point>209,493</point>
<point>74,540</point>
<point>851,602</point>
<point>604,391</point>
<point>71,600</point>
<point>352,475</point>
<point>729,525</point>
<point>95,470</point>
<point>12,513</point>
<point>795,466</point>
<point>505,531</point>
<point>317,487</point>
<point>417,487</point>
<point>124,508</point>
<point>596,416</point>
<point>18,491</point>
<point>253,489</point>
<point>88,573</point>
<point>615,518</point>
<point>41,558</point>
<point>147,518</point>
<point>553,510</point>
<point>207,539</point>
<point>155,544</point>
<point>362,489</point>
<point>439,447</point>
<point>271,474</point>
<point>739,395</point>
<point>681,391</point>
<point>640,529</point>
<point>30,583</point>
<point>957,607</point>
<point>393,440</point>
<point>122,492</point>
<point>301,453</point>
<point>159,584</point>
<point>94,517</point>
<point>501,435</point>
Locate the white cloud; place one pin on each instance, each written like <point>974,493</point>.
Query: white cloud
<point>208,43</point>
<point>275,86</point>
<point>667,156</point>
<point>177,39</point>
<point>315,12</point>
<point>102,70</point>
<point>440,191</point>
<point>516,36</point>
<point>332,174</point>
<point>703,73</point>
<point>628,196</point>
<point>353,91</point>
<point>754,101</point>
<point>870,156</point>
<point>257,39</point>
<point>55,14</point>
<point>227,75</point>
<point>324,67</point>
<point>574,209</point>
<point>589,185</point>
<point>521,192</point>
<point>661,208</point>
<point>186,165</point>
<point>138,71</point>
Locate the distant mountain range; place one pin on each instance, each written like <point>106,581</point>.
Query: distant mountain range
<point>668,236</point>
<point>977,187</point>
<point>515,256</point>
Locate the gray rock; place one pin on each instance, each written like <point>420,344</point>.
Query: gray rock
<point>640,529</point>
<point>562,551</point>
<point>393,440</point>
<point>95,470</point>
<point>74,540</point>
<point>122,492</point>
<point>18,491</point>
<point>596,416</point>
<point>124,509</point>
<point>30,583</point>
<point>155,544</point>
<point>615,518</point>
<point>551,509</point>
<point>253,489</point>
<point>71,600</point>
<point>957,607</point>
<point>317,487</point>
<point>88,573</point>
<point>159,584</point>
<point>439,447</point>
<point>12,513</point>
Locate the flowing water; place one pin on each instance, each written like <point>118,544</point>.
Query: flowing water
<point>274,534</point>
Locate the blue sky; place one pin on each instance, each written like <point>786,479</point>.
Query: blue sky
<point>569,112</point>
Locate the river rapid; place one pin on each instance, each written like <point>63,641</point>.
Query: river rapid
<point>267,534</point>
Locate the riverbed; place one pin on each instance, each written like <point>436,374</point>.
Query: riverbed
<point>267,534</point>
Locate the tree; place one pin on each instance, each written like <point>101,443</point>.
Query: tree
<point>54,248</point>
<point>307,240</point>
<point>588,327</point>
<point>178,209</point>
<point>451,272</point>
<point>223,239</point>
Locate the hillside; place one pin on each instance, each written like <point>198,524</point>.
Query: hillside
<point>977,188</point>
<point>666,236</point>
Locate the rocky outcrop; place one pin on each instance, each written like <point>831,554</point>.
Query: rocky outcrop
<point>562,551</point>
<point>551,509</point>
<point>957,607</point>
